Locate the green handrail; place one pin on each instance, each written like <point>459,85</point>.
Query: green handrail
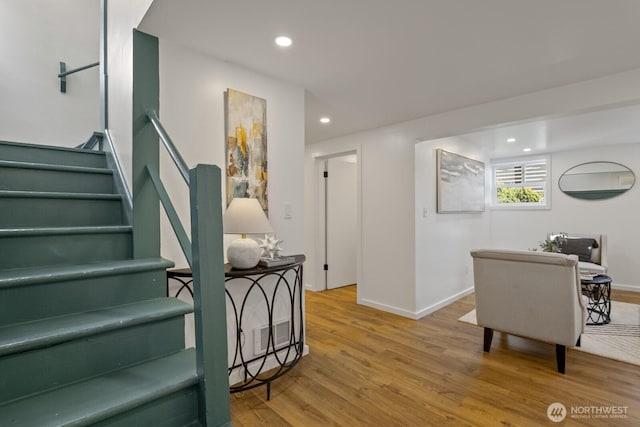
<point>94,139</point>
<point>172,214</point>
<point>62,75</point>
<point>168,144</point>
<point>104,143</point>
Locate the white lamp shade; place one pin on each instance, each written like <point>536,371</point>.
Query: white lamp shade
<point>245,216</point>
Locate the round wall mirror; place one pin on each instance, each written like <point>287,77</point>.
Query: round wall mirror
<point>596,180</point>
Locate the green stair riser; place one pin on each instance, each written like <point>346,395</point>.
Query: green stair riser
<point>18,251</point>
<point>78,295</point>
<point>51,155</point>
<point>51,367</point>
<point>179,409</point>
<point>34,179</point>
<point>107,396</point>
<point>27,212</point>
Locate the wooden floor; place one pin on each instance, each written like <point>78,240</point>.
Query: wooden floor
<point>370,368</point>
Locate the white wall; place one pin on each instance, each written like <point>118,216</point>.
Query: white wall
<point>36,36</point>
<point>396,186</point>
<point>456,234</point>
<point>443,241</point>
<point>122,17</point>
<point>386,278</point>
<point>192,88</point>
<point>614,217</point>
<point>192,110</point>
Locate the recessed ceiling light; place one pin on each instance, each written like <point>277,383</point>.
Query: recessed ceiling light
<point>325,120</point>
<point>526,150</point>
<point>511,140</point>
<point>283,41</point>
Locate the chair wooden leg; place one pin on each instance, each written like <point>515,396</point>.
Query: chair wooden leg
<point>561,357</point>
<point>488,337</point>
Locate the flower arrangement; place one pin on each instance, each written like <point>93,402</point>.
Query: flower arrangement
<point>554,243</point>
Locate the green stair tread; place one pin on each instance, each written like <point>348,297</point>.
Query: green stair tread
<point>49,274</point>
<point>59,195</point>
<point>103,397</point>
<point>56,231</point>
<point>51,147</point>
<point>46,332</point>
<point>54,167</point>
<point>18,151</point>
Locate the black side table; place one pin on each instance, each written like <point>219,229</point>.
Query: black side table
<point>281,341</point>
<point>598,290</point>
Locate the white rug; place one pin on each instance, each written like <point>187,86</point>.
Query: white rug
<point>619,340</point>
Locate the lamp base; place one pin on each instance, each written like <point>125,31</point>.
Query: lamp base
<point>243,253</point>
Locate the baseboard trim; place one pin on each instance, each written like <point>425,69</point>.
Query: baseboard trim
<point>388,308</point>
<point>417,314</point>
<point>623,287</point>
<point>437,306</point>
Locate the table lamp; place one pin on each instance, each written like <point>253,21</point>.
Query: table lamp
<point>245,216</point>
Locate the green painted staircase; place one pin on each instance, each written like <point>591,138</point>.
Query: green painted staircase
<point>87,336</point>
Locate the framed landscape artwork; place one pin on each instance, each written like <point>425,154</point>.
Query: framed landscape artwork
<point>246,147</point>
<point>460,183</point>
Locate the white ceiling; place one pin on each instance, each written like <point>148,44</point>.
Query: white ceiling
<point>371,63</point>
<point>612,126</point>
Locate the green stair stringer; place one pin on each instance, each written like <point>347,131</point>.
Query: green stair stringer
<point>87,334</point>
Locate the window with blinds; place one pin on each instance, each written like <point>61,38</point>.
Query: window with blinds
<point>521,183</point>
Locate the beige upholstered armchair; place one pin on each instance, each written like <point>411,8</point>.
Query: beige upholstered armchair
<point>590,248</point>
<point>530,294</point>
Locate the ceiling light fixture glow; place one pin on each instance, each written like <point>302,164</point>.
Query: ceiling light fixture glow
<point>325,120</point>
<point>511,140</point>
<point>283,41</point>
<point>526,150</point>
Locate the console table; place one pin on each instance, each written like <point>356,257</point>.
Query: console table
<point>279,334</point>
<point>598,290</point>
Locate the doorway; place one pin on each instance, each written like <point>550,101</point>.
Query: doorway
<point>339,218</point>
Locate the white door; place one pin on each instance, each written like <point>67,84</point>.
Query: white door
<point>341,207</point>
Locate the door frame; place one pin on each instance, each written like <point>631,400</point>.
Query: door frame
<point>319,217</point>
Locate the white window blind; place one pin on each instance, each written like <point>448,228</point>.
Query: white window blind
<point>521,183</point>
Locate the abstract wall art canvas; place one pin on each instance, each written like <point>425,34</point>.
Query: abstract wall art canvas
<point>246,147</point>
<point>460,183</point>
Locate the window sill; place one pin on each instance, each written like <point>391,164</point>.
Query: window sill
<point>519,207</point>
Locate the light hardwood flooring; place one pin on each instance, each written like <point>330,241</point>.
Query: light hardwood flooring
<point>371,368</point>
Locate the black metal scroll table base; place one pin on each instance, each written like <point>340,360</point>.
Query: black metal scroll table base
<point>598,290</point>
<point>271,285</point>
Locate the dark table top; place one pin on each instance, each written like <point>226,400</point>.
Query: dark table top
<point>234,272</point>
<point>600,279</point>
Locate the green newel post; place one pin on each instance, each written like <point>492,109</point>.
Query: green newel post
<point>146,94</point>
<point>206,234</point>
<point>209,294</point>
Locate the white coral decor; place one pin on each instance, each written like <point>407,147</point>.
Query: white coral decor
<point>270,246</point>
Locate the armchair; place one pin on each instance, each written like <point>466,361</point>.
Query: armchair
<point>593,260</point>
<point>530,294</point>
